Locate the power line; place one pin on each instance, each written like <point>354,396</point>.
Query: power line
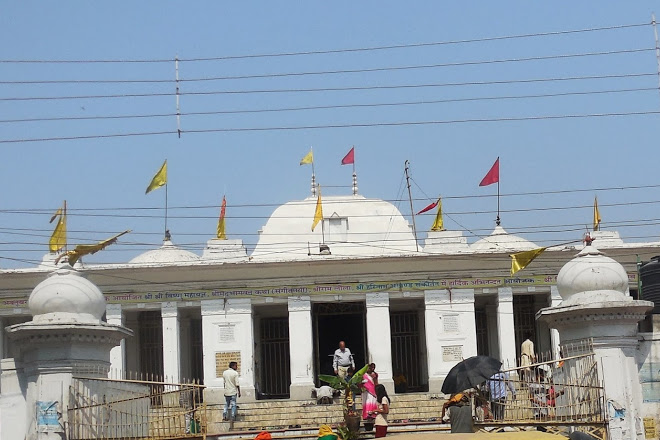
<point>333,126</point>
<point>340,106</point>
<point>331,51</point>
<point>345,71</point>
<point>201,217</point>
<point>601,189</point>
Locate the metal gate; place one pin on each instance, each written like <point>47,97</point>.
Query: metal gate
<point>276,373</point>
<point>151,343</point>
<point>524,319</point>
<point>196,351</point>
<point>406,353</point>
<point>102,408</point>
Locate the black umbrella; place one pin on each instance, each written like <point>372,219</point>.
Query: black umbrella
<point>469,373</point>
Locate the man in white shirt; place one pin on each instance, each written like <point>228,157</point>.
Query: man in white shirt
<point>342,360</point>
<point>232,390</point>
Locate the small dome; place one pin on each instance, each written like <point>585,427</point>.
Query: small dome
<point>66,296</point>
<point>501,241</point>
<point>168,253</point>
<point>352,226</point>
<point>592,277</point>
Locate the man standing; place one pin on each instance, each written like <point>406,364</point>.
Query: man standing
<point>527,356</point>
<point>232,389</point>
<point>343,360</point>
<point>497,386</point>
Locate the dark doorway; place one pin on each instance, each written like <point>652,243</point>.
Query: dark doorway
<point>406,350</point>
<point>334,322</point>
<point>274,344</point>
<point>151,345</point>
<point>196,351</point>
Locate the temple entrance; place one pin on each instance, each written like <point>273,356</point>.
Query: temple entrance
<point>525,308</point>
<point>408,338</point>
<point>334,322</point>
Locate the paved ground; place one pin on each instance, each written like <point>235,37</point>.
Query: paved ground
<point>527,435</point>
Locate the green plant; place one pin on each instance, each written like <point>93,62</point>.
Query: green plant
<point>348,387</point>
<point>345,433</point>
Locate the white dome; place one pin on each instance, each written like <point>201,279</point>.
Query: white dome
<point>66,296</point>
<point>168,253</point>
<point>354,226</point>
<point>592,277</point>
<point>501,241</point>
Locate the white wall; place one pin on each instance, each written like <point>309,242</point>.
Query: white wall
<point>227,327</point>
<point>450,332</point>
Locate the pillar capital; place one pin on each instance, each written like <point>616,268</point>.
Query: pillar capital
<point>169,309</point>
<point>504,294</point>
<point>299,304</point>
<point>377,299</point>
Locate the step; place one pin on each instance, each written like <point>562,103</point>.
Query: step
<point>312,433</point>
<point>280,414</point>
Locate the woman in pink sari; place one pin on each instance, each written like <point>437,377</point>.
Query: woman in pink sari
<point>369,400</point>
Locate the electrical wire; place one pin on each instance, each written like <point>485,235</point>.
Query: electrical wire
<point>334,126</point>
<point>339,106</point>
<point>330,51</point>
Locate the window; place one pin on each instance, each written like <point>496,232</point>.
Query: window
<point>336,228</point>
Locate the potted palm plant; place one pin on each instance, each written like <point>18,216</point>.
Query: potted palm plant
<point>349,388</point>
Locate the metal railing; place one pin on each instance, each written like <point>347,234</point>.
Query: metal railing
<point>134,407</point>
<point>562,392</point>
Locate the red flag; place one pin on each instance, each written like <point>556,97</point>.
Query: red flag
<point>349,158</point>
<point>428,208</point>
<point>493,175</point>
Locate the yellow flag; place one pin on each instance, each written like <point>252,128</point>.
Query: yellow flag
<point>520,260</point>
<point>221,221</point>
<point>86,249</point>
<point>596,215</point>
<point>309,158</point>
<point>438,223</point>
<point>159,179</point>
<point>58,239</point>
<point>318,214</point>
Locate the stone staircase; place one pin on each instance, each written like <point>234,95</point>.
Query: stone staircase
<point>301,418</point>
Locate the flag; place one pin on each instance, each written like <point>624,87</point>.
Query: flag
<point>493,175</point>
<point>349,158</point>
<point>520,260</point>
<point>318,214</point>
<point>221,221</point>
<point>159,179</point>
<point>58,239</point>
<point>86,249</point>
<point>596,215</point>
<point>309,158</point>
<point>428,208</point>
<point>438,224</point>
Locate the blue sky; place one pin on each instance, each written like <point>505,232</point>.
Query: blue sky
<point>261,167</point>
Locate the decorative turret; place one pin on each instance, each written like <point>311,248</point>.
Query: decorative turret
<point>66,296</point>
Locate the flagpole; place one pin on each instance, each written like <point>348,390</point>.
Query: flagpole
<point>497,220</point>
<point>66,247</point>
<point>354,174</point>
<point>412,211</point>
<point>165,210</point>
<point>311,149</point>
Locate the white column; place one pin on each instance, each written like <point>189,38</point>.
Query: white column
<point>555,300</point>
<point>505,327</point>
<point>228,335</point>
<point>2,339</point>
<point>450,332</point>
<point>379,341</point>
<point>301,347</point>
<point>171,342</point>
<point>114,316</point>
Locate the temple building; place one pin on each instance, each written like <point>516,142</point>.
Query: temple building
<point>359,276</point>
